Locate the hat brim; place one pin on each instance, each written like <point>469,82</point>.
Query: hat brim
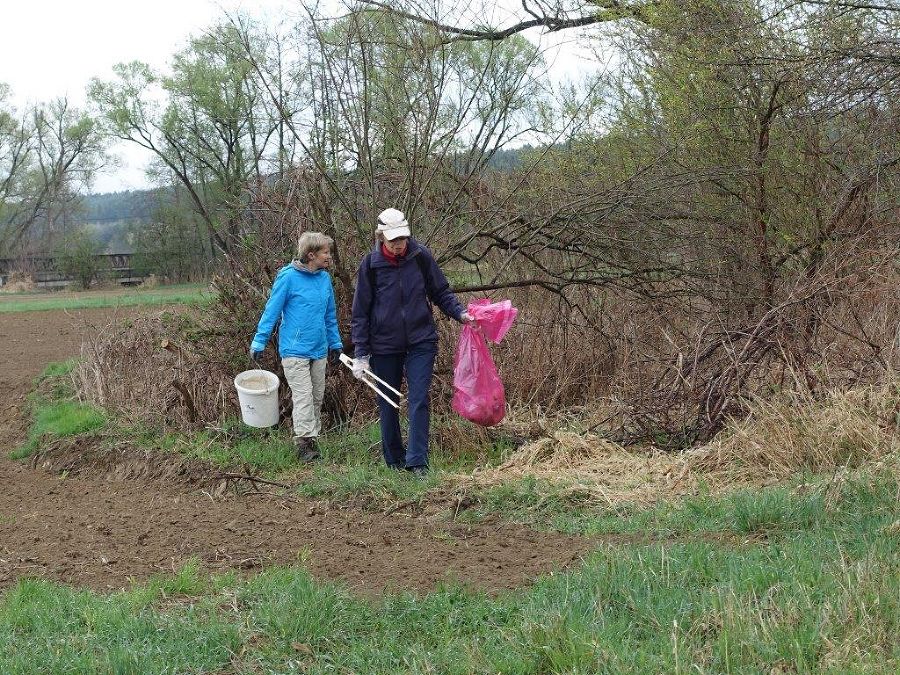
<point>397,231</point>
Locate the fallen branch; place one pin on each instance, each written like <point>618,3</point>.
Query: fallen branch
<point>401,505</point>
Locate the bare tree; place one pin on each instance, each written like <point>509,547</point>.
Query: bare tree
<point>401,118</point>
<point>561,15</point>
<point>206,123</point>
<point>49,155</point>
<point>555,16</point>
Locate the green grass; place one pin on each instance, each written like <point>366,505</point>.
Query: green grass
<point>746,513</point>
<point>52,629</point>
<point>55,420</point>
<point>266,452</point>
<point>351,468</point>
<point>55,412</point>
<point>817,596</point>
<point>181,294</point>
<point>58,369</point>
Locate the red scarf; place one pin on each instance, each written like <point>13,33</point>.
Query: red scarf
<point>390,257</point>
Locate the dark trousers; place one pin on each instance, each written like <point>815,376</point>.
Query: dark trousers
<point>418,364</point>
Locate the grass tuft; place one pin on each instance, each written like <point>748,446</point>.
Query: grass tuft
<point>59,419</point>
<point>57,369</point>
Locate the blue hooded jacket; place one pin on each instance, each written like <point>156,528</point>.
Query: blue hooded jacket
<point>304,301</point>
<point>396,314</point>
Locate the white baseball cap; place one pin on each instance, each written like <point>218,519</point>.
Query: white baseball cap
<point>392,224</point>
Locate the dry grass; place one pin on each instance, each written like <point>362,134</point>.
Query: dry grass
<point>145,370</point>
<point>176,368</point>
<point>18,283</point>
<point>152,281</point>
<point>586,465</point>
<point>797,431</point>
<point>782,435</point>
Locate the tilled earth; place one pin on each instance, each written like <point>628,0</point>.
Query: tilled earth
<point>103,530</point>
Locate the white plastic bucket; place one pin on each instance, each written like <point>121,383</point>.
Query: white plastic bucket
<point>258,395</point>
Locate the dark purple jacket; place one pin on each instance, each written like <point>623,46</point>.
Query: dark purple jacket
<point>395,314</point>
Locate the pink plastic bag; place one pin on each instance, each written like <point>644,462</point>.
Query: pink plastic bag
<point>478,393</point>
<point>493,318</point>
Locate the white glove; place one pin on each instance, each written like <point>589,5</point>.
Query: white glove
<point>360,365</point>
<point>465,317</point>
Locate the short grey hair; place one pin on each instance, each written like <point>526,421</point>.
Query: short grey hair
<point>310,242</point>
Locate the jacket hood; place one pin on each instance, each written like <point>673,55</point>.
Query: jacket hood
<point>303,267</point>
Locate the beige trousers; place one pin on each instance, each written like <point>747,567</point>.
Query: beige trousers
<point>306,378</point>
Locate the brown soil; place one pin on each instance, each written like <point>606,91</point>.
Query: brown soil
<point>104,519</point>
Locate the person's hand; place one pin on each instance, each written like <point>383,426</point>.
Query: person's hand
<point>334,356</point>
<point>360,366</point>
<point>465,317</point>
<point>254,354</point>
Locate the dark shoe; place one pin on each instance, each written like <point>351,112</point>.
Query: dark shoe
<point>420,472</point>
<point>307,450</point>
<point>311,455</point>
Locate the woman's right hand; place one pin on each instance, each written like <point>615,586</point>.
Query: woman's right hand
<point>360,366</point>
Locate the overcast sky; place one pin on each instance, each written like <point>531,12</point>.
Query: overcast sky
<point>52,48</point>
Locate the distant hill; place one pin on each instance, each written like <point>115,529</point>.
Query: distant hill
<point>111,211</point>
<point>131,206</point>
<point>113,216</point>
<point>508,160</point>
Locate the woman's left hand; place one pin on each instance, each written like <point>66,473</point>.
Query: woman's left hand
<point>465,317</point>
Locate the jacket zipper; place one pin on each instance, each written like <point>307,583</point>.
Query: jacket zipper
<point>403,302</point>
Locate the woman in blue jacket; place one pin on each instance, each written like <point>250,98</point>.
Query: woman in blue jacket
<point>302,298</point>
<point>393,331</point>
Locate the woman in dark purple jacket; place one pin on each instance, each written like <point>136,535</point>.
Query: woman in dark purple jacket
<point>393,331</point>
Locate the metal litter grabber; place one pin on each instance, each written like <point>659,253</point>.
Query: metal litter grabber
<point>372,381</point>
